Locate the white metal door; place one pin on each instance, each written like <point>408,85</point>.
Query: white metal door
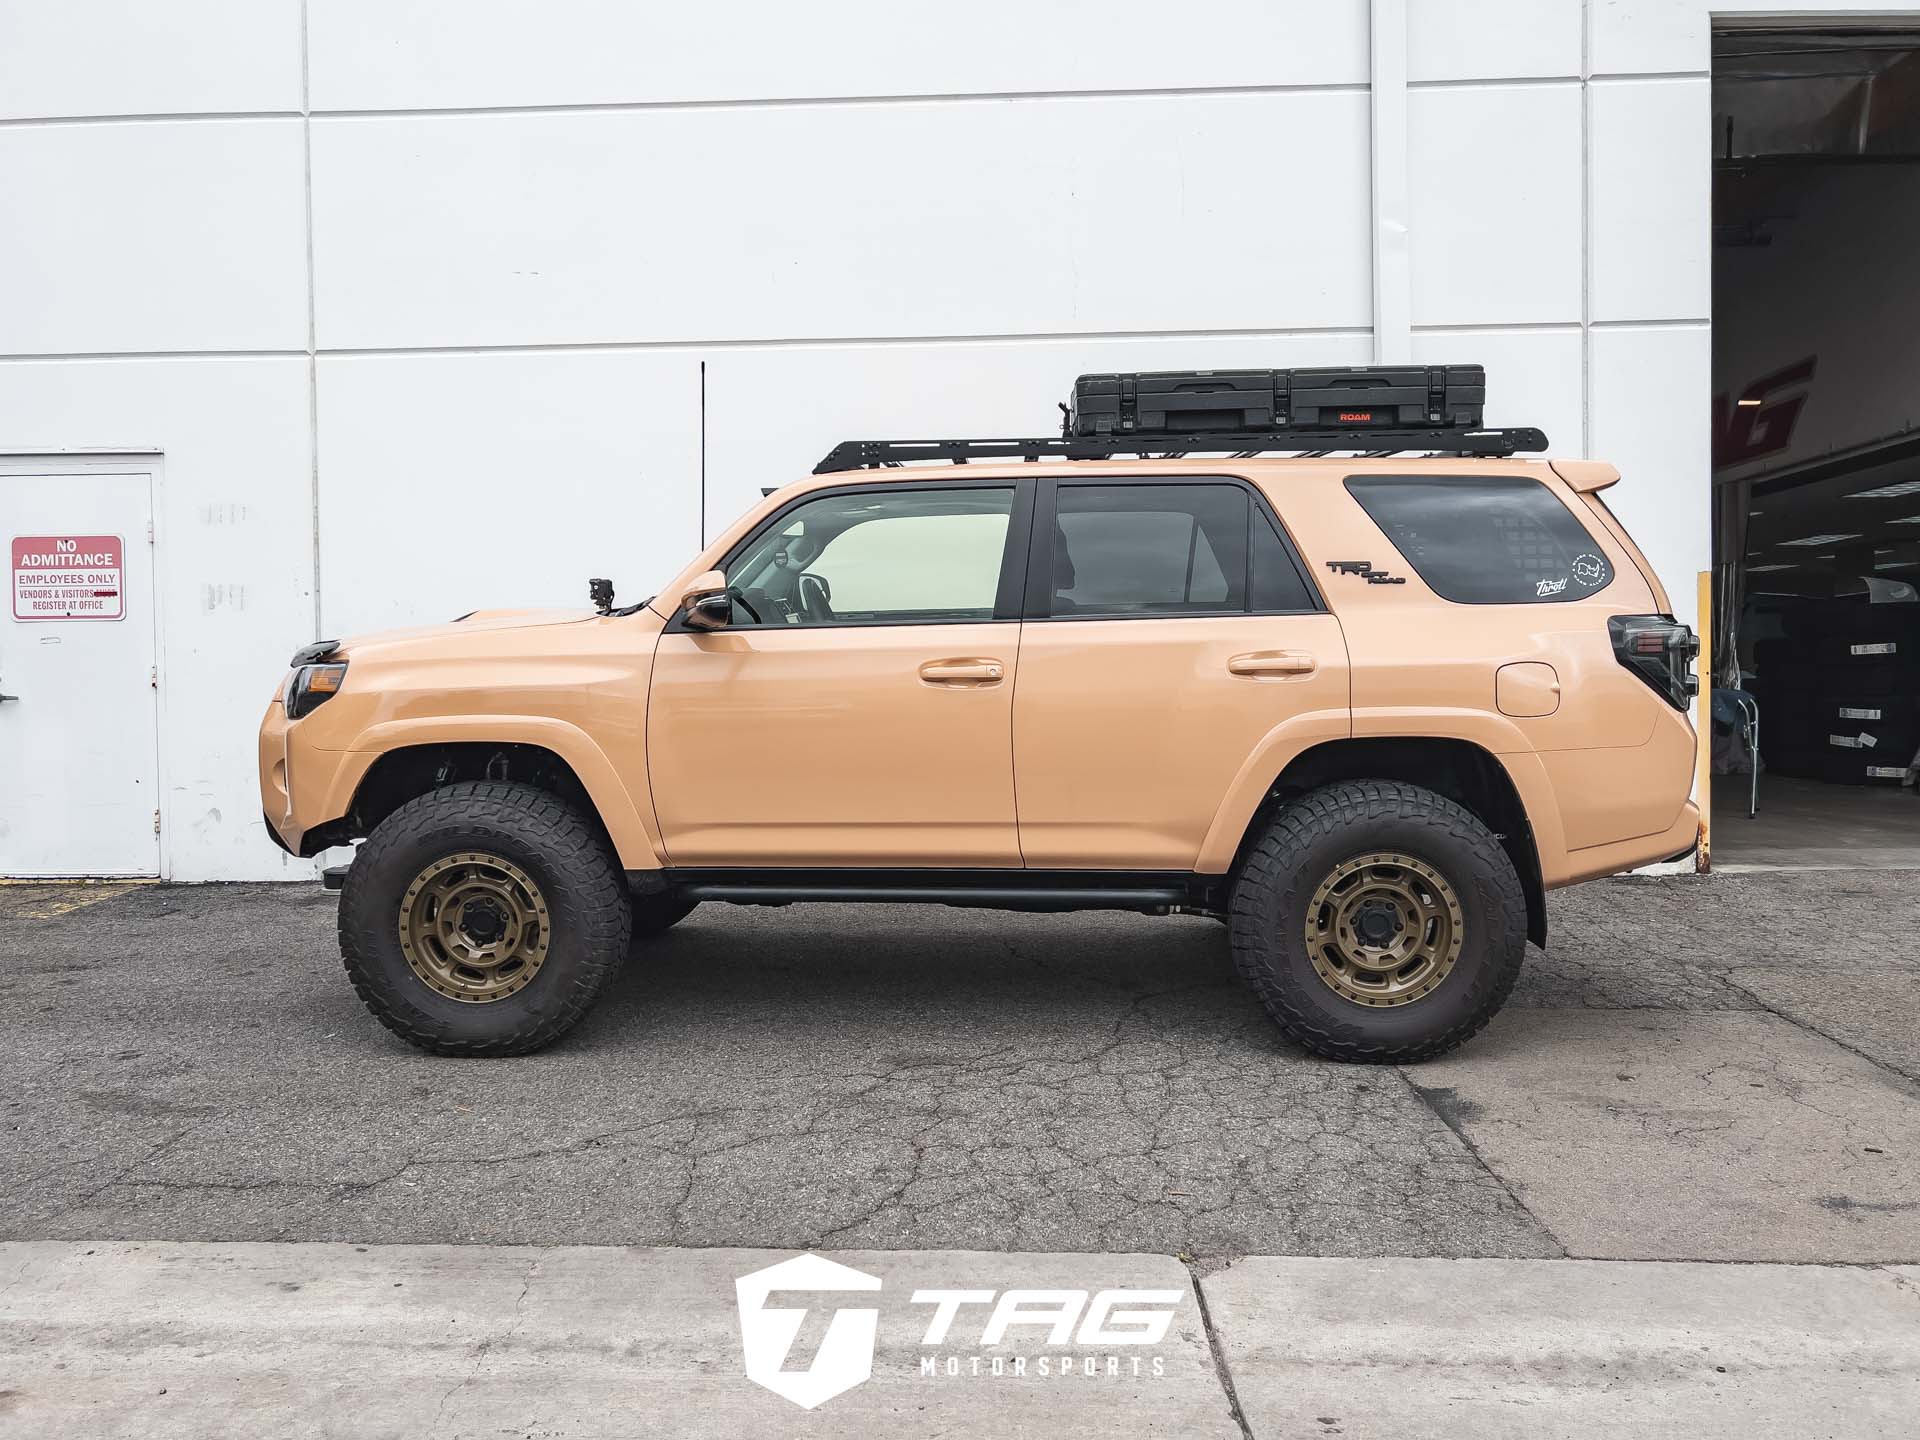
<point>79,755</point>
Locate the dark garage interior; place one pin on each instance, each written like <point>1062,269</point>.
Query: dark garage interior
<point>1816,442</point>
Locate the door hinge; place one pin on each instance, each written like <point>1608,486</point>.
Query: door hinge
<point>153,676</point>
<point>149,532</point>
<point>156,822</point>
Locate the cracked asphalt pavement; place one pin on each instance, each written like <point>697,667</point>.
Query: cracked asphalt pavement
<point>189,1063</point>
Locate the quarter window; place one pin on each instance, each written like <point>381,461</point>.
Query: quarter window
<point>1277,585</point>
<point>870,557</point>
<point>1486,540</point>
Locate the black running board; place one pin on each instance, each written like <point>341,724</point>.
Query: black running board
<point>1151,892</point>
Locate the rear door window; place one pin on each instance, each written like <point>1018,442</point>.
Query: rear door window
<point>1486,540</point>
<point>1149,550</point>
<point>1189,548</point>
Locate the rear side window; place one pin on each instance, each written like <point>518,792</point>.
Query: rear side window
<point>1486,540</point>
<point>1180,549</point>
<point>1150,550</point>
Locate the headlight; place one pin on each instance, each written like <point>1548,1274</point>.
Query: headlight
<point>309,685</point>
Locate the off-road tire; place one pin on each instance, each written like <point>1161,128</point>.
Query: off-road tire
<point>564,853</point>
<point>657,914</point>
<point>1302,844</point>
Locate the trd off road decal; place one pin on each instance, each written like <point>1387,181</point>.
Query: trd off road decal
<point>1364,569</point>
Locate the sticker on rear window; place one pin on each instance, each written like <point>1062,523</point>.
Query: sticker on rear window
<point>1486,539</point>
<point>1885,647</point>
<point>1848,712</point>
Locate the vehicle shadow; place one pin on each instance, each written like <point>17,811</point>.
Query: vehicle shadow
<point>827,969</point>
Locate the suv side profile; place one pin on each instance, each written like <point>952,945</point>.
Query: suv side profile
<point>1364,711</point>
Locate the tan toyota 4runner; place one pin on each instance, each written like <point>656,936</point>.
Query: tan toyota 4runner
<point>1366,711</point>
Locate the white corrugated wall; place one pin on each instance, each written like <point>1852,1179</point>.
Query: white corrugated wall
<point>414,296</point>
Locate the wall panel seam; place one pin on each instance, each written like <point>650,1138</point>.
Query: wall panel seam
<point>1586,227</point>
<point>1518,327</point>
<point>161,117</point>
<point>1645,77</point>
<point>1391,221</point>
<point>790,102</point>
<point>602,107</point>
<point>1514,82</point>
<point>313,362</point>
<point>1695,322</point>
<point>810,342</point>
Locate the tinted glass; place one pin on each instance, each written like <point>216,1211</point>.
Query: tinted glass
<point>1493,540</point>
<point>1150,550</point>
<point>1276,581</point>
<point>876,557</point>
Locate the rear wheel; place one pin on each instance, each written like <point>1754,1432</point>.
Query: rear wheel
<point>1378,921</point>
<point>482,919</point>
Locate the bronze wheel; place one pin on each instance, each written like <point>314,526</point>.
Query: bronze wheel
<point>1378,922</point>
<point>483,918</point>
<point>1383,929</point>
<point>474,927</point>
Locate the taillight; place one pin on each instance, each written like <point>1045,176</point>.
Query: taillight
<point>1661,651</point>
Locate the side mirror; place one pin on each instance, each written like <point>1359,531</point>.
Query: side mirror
<point>706,601</point>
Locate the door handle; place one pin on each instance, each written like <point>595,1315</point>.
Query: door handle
<point>1273,662</point>
<point>5,698</point>
<point>946,672</point>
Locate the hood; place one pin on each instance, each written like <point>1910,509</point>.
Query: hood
<point>476,621</point>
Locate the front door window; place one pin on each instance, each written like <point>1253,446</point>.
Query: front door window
<point>891,557</point>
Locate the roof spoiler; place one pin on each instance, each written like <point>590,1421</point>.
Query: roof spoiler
<point>1586,476</point>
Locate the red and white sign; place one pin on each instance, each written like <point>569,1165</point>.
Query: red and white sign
<point>68,577</point>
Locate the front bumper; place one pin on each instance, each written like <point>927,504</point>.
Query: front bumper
<point>276,791</point>
<point>303,788</point>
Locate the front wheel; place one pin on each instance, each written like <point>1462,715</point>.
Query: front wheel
<point>482,919</point>
<point>1378,922</point>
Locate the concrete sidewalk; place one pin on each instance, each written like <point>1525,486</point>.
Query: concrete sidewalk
<point>156,1340</point>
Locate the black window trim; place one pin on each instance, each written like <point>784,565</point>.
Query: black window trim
<point>1613,568</point>
<point>1039,598</point>
<point>1013,555</point>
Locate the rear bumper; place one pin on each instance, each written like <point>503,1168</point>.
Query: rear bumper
<point>1675,843</point>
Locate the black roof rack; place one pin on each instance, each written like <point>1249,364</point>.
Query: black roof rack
<point>1439,440</point>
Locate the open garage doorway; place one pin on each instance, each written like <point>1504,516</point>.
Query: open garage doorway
<point>1816,358</point>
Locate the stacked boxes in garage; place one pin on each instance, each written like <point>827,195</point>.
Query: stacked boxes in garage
<point>1840,692</point>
